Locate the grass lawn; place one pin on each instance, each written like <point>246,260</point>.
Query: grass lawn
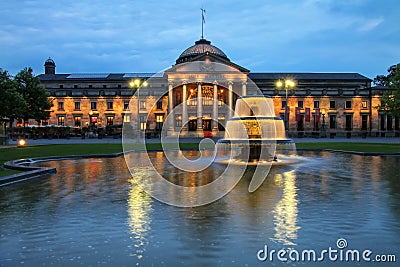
<point>7,154</point>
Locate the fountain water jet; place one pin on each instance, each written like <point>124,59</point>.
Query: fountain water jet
<point>254,135</point>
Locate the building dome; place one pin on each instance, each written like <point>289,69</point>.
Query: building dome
<point>49,61</point>
<point>200,47</point>
<point>49,66</point>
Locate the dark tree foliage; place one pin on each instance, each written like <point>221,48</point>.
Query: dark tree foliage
<point>390,101</point>
<point>12,103</point>
<point>36,97</point>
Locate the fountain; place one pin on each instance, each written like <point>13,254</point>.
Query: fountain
<point>254,135</point>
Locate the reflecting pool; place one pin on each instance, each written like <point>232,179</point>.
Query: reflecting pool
<point>92,213</point>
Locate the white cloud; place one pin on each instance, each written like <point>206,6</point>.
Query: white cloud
<point>370,24</point>
<point>258,34</point>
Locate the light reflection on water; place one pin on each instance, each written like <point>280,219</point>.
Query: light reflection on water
<point>139,221</point>
<point>285,211</point>
<point>91,213</point>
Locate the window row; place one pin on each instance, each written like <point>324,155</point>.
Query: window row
<point>78,121</point>
<point>110,105</point>
<point>331,123</point>
<point>61,86</point>
<point>332,104</point>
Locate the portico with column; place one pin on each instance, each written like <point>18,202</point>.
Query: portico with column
<point>203,86</point>
<point>203,101</point>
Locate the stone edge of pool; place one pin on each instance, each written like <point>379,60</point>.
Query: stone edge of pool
<point>30,172</point>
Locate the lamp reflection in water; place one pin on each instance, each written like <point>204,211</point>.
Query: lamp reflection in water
<point>286,211</point>
<point>139,210</point>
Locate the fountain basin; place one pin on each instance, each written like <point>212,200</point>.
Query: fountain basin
<point>254,135</point>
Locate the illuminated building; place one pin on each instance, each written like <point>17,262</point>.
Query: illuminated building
<point>319,104</point>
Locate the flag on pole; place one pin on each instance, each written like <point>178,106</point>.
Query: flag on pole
<point>297,114</point>
<point>317,115</point>
<point>307,114</point>
<point>202,15</point>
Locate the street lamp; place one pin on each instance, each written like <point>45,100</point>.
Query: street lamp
<point>90,119</point>
<point>21,142</point>
<point>137,83</point>
<point>287,84</point>
<point>323,123</point>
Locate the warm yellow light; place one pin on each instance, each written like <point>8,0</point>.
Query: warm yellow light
<point>222,90</point>
<point>91,113</point>
<point>279,84</point>
<point>137,82</point>
<point>21,142</point>
<point>145,84</point>
<point>323,111</point>
<point>289,83</point>
<point>131,84</point>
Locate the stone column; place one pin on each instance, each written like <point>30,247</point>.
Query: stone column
<point>199,111</point>
<point>230,100</point>
<point>170,108</point>
<point>184,109</point>
<point>244,89</point>
<point>215,111</point>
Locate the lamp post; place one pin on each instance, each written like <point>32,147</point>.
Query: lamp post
<point>323,123</point>
<point>90,119</point>
<point>287,84</point>
<point>137,83</point>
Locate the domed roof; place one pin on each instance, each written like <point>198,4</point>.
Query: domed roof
<point>200,47</point>
<point>49,61</point>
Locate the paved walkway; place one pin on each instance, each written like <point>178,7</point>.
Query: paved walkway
<point>391,140</point>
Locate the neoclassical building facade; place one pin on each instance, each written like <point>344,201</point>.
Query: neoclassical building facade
<point>197,95</point>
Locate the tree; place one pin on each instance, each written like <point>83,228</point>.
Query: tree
<point>390,101</point>
<point>12,104</point>
<point>36,97</point>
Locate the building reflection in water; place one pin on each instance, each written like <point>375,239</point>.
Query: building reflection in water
<point>286,210</point>
<point>139,220</point>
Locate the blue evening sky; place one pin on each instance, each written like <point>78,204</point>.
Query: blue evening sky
<point>148,36</point>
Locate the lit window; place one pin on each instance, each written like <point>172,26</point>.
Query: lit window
<point>159,118</point>
<point>45,122</point>
<point>127,117</point>
<point>178,121</point>
<point>364,104</point>
<point>142,119</point>
<point>159,121</point>
<point>110,120</point>
<point>61,120</point>
<point>78,120</point>
<point>192,102</point>
<point>221,100</point>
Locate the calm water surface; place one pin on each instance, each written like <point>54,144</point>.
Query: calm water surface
<point>92,214</point>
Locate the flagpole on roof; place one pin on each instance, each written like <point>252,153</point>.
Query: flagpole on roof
<point>203,21</point>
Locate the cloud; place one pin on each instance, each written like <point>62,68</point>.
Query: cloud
<point>123,35</point>
<point>370,25</point>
